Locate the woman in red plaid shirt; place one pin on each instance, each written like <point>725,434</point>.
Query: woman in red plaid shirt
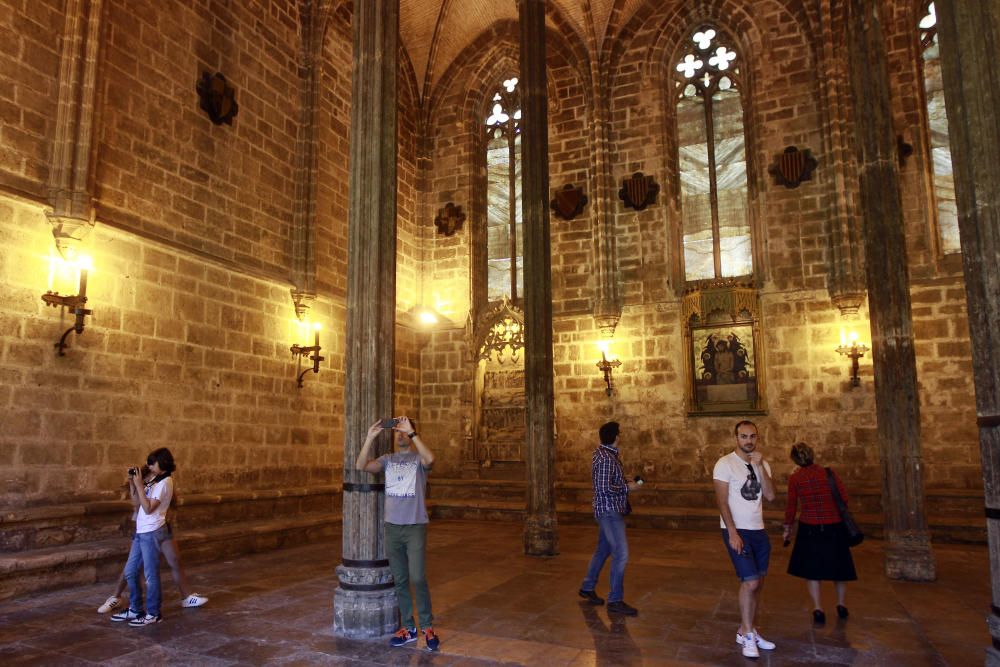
<point>821,551</point>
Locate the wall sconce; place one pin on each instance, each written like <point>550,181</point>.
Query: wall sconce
<point>853,351</point>
<point>76,304</point>
<point>300,352</point>
<point>607,367</point>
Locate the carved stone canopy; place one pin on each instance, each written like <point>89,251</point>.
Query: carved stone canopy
<point>638,191</point>
<point>499,329</point>
<point>792,167</point>
<point>735,300</point>
<point>449,219</point>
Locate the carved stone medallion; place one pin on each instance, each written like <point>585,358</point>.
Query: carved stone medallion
<point>638,191</point>
<point>569,201</point>
<point>449,219</point>
<point>793,167</point>
<point>218,98</point>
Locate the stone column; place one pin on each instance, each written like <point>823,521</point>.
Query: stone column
<point>968,33</point>
<point>908,549</point>
<point>364,602</point>
<point>70,195</point>
<point>540,530</point>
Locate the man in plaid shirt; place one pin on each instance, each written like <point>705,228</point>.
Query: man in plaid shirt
<point>611,504</point>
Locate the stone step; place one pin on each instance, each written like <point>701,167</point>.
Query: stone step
<point>943,529</point>
<point>943,503</point>
<point>25,572</point>
<point>41,527</point>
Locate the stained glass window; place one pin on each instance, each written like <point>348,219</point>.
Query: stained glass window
<point>505,272</point>
<point>937,131</point>
<point>712,159</point>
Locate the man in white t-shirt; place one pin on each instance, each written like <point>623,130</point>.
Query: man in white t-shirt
<point>742,478</point>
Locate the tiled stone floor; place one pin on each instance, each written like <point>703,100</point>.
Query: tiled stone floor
<point>495,606</point>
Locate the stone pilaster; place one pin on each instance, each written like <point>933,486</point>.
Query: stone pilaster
<point>70,195</point>
<point>540,530</point>
<point>968,33</point>
<point>313,17</point>
<point>908,548</point>
<point>364,602</point>
<point>847,278</point>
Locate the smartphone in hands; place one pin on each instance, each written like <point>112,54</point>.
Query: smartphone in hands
<point>391,422</point>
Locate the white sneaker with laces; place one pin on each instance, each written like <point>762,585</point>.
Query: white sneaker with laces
<point>761,642</point>
<point>110,604</point>
<point>141,621</point>
<point>750,646</point>
<point>125,615</point>
<point>194,600</point>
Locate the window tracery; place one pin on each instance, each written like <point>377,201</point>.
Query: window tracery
<point>712,161</point>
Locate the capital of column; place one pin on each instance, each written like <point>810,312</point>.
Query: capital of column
<point>72,217</point>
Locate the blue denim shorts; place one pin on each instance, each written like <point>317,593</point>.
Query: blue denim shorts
<point>752,563</point>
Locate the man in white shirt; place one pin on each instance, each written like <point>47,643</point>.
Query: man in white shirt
<point>741,478</point>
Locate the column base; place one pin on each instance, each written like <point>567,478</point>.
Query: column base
<point>908,556</point>
<point>364,614</point>
<point>541,535</point>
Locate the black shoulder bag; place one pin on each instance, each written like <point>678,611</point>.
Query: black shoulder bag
<point>854,534</point>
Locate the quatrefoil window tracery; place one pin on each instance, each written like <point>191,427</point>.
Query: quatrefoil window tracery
<point>712,64</point>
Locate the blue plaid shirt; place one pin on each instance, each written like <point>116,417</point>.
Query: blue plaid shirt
<point>610,488</point>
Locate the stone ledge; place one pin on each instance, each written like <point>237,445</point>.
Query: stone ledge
<point>88,562</point>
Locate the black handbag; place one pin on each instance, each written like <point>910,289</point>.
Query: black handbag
<point>854,534</point>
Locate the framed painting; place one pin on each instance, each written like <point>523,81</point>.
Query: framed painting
<point>725,358</point>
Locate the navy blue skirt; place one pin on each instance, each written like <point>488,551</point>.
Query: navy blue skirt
<point>822,553</point>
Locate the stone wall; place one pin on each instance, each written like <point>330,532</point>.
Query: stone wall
<point>192,318</point>
<point>807,382</point>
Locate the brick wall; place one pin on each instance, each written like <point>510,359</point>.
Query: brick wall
<point>179,353</point>
<point>807,382</point>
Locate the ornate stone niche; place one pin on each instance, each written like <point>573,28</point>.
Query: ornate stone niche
<point>723,350</point>
<point>495,448</point>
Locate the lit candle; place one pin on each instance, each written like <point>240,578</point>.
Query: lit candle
<point>317,328</point>
<point>83,284</point>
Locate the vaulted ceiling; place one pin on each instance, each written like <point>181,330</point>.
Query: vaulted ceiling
<point>434,32</point>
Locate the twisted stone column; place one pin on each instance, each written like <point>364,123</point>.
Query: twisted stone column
<point>908,549</point>
<point>969,33</point>
<point>364,602</point>
<point>540,531</point>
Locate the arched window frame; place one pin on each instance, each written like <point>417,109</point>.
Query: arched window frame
<point>481,204</point>
<point>944,208</point>
<point>697,50</point>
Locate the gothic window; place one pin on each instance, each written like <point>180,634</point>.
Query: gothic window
<point>505,268</point>
<point>937,131</point>
<point>712,159</point>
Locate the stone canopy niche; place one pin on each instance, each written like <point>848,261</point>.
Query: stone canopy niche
<point>495,446</point>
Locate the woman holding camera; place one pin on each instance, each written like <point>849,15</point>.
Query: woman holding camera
<point>821,551</point>
<point>170,550</point>
<point>150,532</point>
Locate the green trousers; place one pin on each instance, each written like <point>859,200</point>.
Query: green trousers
<point>404,546</point>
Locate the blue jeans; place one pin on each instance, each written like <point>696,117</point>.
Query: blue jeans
<point>611,542</point>
<point>145,554</point>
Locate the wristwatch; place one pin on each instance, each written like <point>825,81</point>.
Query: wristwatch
<point>411,435</point>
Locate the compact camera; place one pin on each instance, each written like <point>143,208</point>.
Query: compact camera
<point>132,472</point>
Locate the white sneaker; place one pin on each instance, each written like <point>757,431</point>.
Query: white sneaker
<point>110,604</point>
<point>126,615</point>
<point>194,600</point>
<point>761,642</point>
<point>750,646</point>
